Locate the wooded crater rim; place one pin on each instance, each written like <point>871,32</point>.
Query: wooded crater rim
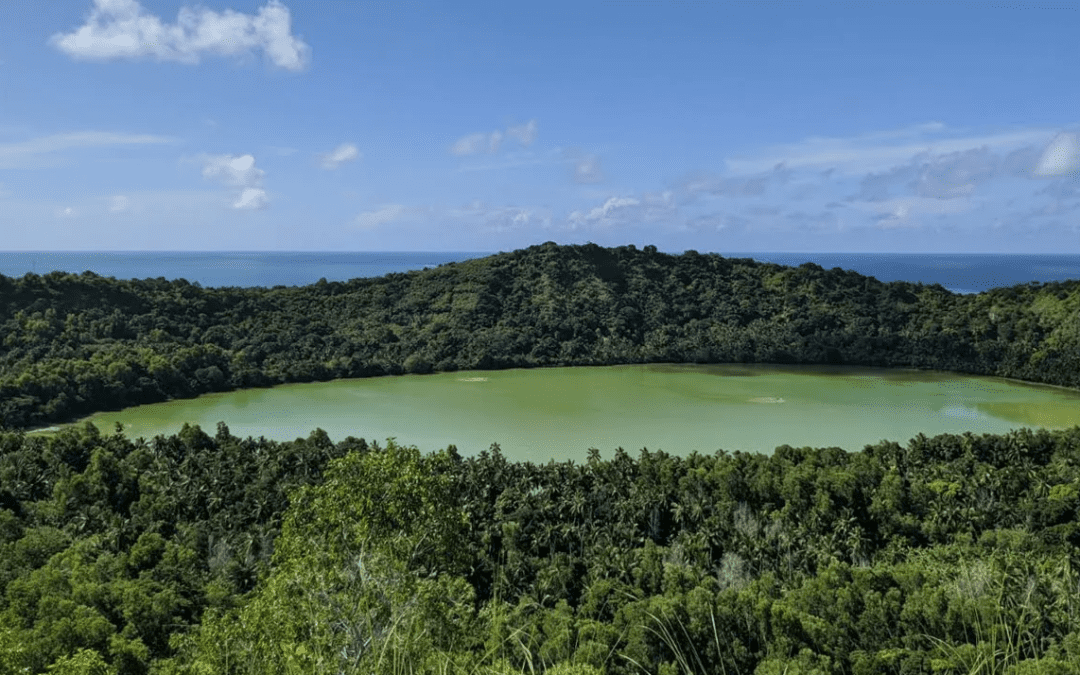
<point>78,344</point>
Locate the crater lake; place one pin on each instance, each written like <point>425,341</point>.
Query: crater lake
<point>547,414</point>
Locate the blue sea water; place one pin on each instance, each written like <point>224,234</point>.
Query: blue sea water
<point>227,268</point>
<point>960,273</point>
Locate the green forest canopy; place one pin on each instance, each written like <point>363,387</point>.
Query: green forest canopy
<point>76,344</point>
<point>215,554</point>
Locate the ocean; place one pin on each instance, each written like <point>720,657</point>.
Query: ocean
<point>960,273</point>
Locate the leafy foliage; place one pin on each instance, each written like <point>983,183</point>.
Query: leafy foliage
<point>213,554</point>
<point>115,545</point>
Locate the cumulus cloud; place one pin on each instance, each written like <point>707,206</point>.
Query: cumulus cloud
<point>119,29</point>
<point>346,152</point>
<point>609,208</point>
<point>655,207</point>
<point>119,204</point>
<point>238,171</point>
<point>605,214</point>
<point>251,198</point>
<point>477,143</point>
<point>490,142</point>
<point>66,212</point>
<point>1061,156</point>
<point>508,219</point>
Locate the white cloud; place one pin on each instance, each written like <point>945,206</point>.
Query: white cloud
<point>238,171</point>
<point>611,205</point>
<point>119,204</point>
<point>346,152</point>
<point>1061,156</point>
<point>478,215</point>
<point>251,198</point>
<point>525,134</point>
<point>880,150</point>
<point>21,154</point>
<point>605,213</point>
<point>508,219</point>
<point>476,143</point>
<point>651,207</point>
<point>66,212</point>
<point>490,142</point>
<point>122,29</point>
<point>921,179</point>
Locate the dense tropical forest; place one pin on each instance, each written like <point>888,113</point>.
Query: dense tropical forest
<point>215,554</point>
<point>206,554</point>
<point>75,344</point>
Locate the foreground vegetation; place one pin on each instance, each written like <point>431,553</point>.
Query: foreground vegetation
<point>73,345</point>
<point>215,554</point>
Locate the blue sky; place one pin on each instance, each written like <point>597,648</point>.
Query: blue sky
<point>344,125</point>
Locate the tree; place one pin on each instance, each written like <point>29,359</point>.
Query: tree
<point>363,573</point>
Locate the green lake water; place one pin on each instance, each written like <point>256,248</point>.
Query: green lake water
<point>558,413</point>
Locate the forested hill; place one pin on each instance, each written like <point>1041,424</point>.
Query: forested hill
<point>73,344</point>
